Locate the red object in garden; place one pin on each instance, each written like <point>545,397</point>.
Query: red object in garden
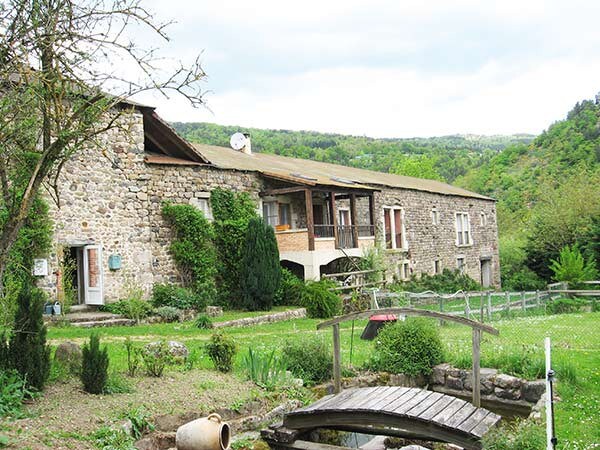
<point>376,323</point>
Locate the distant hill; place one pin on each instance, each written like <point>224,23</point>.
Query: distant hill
<point>444,157</point>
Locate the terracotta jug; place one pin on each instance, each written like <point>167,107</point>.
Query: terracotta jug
<point>206,433</point>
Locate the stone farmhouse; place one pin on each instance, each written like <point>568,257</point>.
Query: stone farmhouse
<point>109,219</point>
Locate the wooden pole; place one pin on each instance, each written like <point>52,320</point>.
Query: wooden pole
<point>372,213</point>
<point>523,302</point>
<point>337,357</point>
<point>467,306</point>
<point>489,306</point>
<point>354,220</point>
<point>481,307</point>
<point>537,298</point>
<point>334,219</point>
<point>441,302</point>
<point>310,222</point>
<point>476,367</point>
<point>507,295</point>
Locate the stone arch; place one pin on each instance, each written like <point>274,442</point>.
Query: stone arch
<point>294,267</point>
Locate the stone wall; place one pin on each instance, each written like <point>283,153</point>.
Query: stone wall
<point>110,196</point>
<point>428,242</point>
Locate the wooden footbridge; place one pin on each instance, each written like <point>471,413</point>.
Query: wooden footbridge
<point>391,410</point>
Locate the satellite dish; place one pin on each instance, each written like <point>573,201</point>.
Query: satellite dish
<point>238,141</point>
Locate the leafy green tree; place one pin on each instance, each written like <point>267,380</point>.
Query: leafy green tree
<point>573,268</point>
<point>54,99</point>
<point>260,270</point>
<point>28,353</point>
<point>419,166</point>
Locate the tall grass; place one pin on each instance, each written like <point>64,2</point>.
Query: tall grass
<point>266,370</point>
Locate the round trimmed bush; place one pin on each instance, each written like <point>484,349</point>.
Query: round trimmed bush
<point>411,347</point>
<point>310,359</point>
<point>319,301</point>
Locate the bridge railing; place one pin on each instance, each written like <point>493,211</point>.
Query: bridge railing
<point>477,329</point>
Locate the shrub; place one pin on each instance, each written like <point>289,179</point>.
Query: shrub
<point>168,313</point>
<point>133,308</point>
<point>522,434</point>
<point>156,357</point>
<point>13,390</point>
<point>290,290</point>
<point>193,248</point>
<point>116,384</point>
<point>319,301</point>
<point>231,212</point>
<point>266,370</point>
<point>221,349</point>
<point>260,271</point>
<point>573,268</point>
<point>516,276</point>
<point>446,282</point>
<point>525,361</point>
<point>107,438</point>
<point>28,353</point>
<point>310,359</point>
<point>566,305</point>
<point>203,322</point>
<point>411,347</point>
<point>94,370</point>
<point>176,297</point>
<point>133,357</point>
<point>4,353</point>
<point>140,420</point>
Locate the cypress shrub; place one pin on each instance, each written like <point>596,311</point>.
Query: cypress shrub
<point>260,271</point>
<point>28,353</point>
<point>94,367</point>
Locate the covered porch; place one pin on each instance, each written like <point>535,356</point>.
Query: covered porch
<point>317,224</point>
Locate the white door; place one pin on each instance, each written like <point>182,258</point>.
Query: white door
<point>92,275</point>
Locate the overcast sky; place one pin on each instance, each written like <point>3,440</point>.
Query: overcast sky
<point>386,68</point>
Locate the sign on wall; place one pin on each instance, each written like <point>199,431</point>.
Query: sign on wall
<point>40,267</point>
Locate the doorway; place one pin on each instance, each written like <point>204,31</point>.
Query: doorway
<point>82,275</point>
<point>486,272</point>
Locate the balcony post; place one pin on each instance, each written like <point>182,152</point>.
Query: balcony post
<point>372,212</point>
<point>353,220</point>
<point>334,218</point>
<point>310,221</point>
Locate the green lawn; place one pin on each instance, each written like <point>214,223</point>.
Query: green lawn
<point>575,341</point>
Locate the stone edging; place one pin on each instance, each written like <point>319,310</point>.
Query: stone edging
<point>299,313</point>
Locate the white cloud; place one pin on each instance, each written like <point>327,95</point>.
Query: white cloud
<point>389,68</point>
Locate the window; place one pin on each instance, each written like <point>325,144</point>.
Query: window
<point>270,213</point>
<point>463,229</point>
<point>203,204</point>
<point>285,214</point>
<point>393,221</point>
<point>483,219</point>
<point>344,217</point>
<point>437,267</point>
<point>404,270</point>
<point>460,264</point>
<point>435,217</point>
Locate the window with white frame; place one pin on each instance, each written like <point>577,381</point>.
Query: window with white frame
<point>463,229</point>
<point>203,204</point>
<point>270,214</point>
<point>461,265</point>
<point>484,220</point>
<point>393,223</point>
<point>437,267</point>
<point>435,216</point>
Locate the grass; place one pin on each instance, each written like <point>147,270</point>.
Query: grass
<point>575,341</point>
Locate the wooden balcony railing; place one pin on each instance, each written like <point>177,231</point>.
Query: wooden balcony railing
<point>345,233</point>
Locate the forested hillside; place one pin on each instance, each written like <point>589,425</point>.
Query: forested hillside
<point>444,158</point>
<point>548,187</point>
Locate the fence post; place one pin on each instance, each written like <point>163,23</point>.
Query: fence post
<point>476,386</point>
<point>467,306</point>
<point>481,308</point>
<point>507,295</point>
<point>489,306</point>
<point>337,356</point>
<point>441,302</point>
<point>537,298</point>
<point>523,302</point>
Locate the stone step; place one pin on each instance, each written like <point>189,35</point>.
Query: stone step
<point>91,317</point>
<point>104,323</point>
